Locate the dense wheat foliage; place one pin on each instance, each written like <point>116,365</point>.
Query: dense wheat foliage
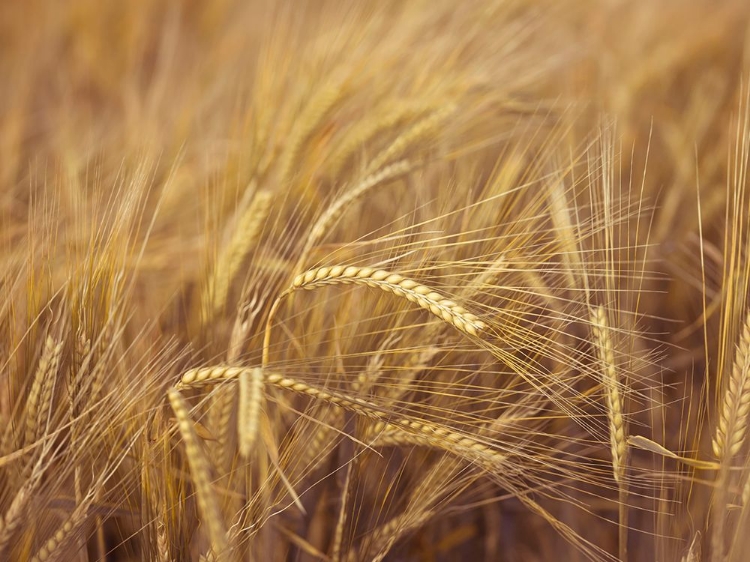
<point>341,281</point>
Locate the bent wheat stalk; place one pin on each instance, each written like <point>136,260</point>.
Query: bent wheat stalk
<point>436,303</point>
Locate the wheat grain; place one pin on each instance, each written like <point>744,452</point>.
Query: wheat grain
<point>316,110</point>
<point>381,540</point>
<point>732,425</point>
<point>393,283</point>
<point>367,129</point>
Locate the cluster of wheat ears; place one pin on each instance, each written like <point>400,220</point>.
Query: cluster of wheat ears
<point>423,280</point>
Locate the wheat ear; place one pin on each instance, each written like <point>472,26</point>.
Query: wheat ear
<point>732,426</point>
<point>40,396</point>
<point>249,228</point>
<point>606,355</point>
<point>200,471</point>
<point>53,549</point>
<point>367,129</point>
<point>606,352</point>
<point>398,285</point>
<point>251,404</point>
<point>315,111</point>
<point>418,131</point>
<point>424,296</point>
<point>381,540</point>
<point>424,432</point>
<point>327,220</point>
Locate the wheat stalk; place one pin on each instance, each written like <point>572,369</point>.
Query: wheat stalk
<point>39,400</point>
<point>200,471</point>
<point>732,426</point>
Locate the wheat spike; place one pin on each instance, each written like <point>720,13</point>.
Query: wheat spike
<point>425,297</point>
<point>423,432</point>
<point>200,471</point>
<point>418,131</point>
<point>732,426</point>
<point>40,396</point>
<point>381,540</point>
<point>53,549</point>
<point>327,220</point>
<point>367,129</point>
<point>606,354</point>
<point>249,228</point>
<point>315,111</point>
<point>251,404</point>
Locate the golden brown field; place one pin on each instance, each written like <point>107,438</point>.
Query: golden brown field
<point>374,280</point>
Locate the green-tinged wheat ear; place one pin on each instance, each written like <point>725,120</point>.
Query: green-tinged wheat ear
<point>605,351</point>
<point>39,400</point>
<point>423,432</point>
<point>246,234</point>
<point>327,220</point>
<point>732,425</point>
<point>200,472</point>
<point>250,406</point>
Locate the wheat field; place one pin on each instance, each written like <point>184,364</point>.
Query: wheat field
<point>305,280</point>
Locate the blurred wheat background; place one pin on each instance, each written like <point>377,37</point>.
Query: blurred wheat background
<point>341,281</point>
